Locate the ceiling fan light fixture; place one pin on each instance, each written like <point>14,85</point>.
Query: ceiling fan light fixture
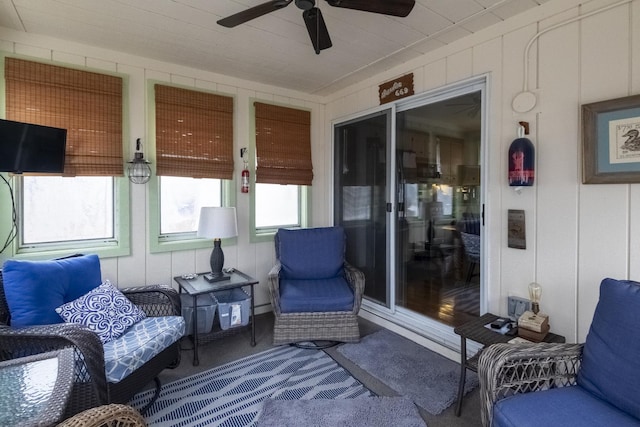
<point>313,17</point>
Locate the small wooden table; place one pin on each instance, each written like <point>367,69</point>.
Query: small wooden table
<point>199,286</point>
<point>475,330</point>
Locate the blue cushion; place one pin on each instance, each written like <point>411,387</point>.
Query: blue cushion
<point>34,289</point>
<point>310,253</point>
<point>104,310</point>
<point>321,295</point>
<point>567,406</point>
<point>139,344</point>
<point>610,363</point>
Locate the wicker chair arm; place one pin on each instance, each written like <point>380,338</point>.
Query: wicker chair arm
<point>88,350</point>
<point>508,369</point>
<point>155,300</point>
<point>273,283</point>
<point>356,280</point>
<point>105,416</point>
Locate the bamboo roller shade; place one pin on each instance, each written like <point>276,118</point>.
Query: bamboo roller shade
<point>88,105</point>
<point>194,133</point>
<point>283,145</point>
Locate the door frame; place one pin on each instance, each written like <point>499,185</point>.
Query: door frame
<point>404,318</point>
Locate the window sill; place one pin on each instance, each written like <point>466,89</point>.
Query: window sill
<point>188,244</point>
<point>104,251</point>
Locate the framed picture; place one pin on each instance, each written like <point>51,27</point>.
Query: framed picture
<point>611,141</point>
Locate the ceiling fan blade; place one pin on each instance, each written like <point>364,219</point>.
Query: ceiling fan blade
<point>317,29</point>
<point>400,8</point>
<point>252,13</point>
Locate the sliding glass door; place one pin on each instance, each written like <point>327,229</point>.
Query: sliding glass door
<point>438,190</point>
<point>361,149</point>
<point>407,190</point>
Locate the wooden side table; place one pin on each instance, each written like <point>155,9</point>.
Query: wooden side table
<point>475,330</point>
<point>199,286</point>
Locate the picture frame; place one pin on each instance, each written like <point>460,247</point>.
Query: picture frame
<point>611,141</point>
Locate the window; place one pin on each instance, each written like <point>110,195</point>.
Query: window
<point>194,163</point>
<point>89,217</point>
<point>277,206</point>
<point>181,199</point>
<point>83,208</point>
<point>283,168</point>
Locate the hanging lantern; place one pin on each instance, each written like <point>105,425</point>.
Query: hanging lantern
<point>521,159</point>
<point>139,171</point>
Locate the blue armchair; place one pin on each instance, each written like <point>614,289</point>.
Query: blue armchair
<point>315,293</point>
<point>592,384</point>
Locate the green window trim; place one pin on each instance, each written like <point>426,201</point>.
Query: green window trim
<point>158,243</point>
<point>119,246</point>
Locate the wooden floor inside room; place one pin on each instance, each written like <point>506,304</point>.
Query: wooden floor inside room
<point>441,292</point>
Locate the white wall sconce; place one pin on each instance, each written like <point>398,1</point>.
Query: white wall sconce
<point>139,171</point>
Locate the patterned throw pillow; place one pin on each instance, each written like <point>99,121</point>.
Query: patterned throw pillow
<point>104,310</point>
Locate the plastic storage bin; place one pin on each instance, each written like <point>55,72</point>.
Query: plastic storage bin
<point>233,308</point>
<point>206,310</point>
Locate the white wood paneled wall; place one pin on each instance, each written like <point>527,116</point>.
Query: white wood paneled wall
<point>576,234</point>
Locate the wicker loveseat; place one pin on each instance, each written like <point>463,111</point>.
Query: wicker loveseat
<point>592,384</point>
<point>315,293</point>
<point>138,362</point>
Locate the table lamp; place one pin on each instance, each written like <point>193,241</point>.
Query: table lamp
<point>217,223</point>
<point>535,291</point>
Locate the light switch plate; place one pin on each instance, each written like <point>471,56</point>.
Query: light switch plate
<point>516,306</point>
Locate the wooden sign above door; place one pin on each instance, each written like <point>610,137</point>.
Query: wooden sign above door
<point>396,89</point>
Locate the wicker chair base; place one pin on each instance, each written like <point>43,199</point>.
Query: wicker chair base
<point>113,415</point>
<point>291,328</point>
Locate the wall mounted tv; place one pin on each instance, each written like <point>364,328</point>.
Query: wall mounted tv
<point>25,147</point>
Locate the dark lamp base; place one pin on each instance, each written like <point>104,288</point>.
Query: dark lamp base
<point>211,278</point>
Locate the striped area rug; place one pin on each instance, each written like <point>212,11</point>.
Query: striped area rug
<point>231,395</point>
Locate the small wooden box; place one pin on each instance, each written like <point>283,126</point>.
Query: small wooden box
<point>534,322</point>
<point>533,336</point>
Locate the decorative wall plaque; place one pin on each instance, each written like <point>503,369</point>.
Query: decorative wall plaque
<point>396,89</point>
<point>516,236</point>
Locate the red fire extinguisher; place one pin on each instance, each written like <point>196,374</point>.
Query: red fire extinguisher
<point>245,172</point>
<point>245,178</point>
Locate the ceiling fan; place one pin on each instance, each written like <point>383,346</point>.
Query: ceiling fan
<point>313,17</point>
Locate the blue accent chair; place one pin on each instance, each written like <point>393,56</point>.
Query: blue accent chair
<point>592,384</point>
<point>315,293</point>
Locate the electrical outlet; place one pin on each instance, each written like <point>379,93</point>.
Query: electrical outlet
<point>516,306</point>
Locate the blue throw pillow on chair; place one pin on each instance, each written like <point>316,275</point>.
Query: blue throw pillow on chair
<point>104,310</point>
<point>34,289</point>
<point>610,365</point>
<point>311,253</point>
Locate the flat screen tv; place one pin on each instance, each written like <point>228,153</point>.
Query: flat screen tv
<point>25,147</point>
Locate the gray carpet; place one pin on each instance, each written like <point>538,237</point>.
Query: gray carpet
<point>427,378</point>
<point>235,347</point>
<point>361,412</point>
<point>231,395</point>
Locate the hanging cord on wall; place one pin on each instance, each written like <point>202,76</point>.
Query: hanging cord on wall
<point>525,100</point>
<point>14,218</point>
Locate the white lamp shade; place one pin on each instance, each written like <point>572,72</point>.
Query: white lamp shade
<point>217,223</point>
